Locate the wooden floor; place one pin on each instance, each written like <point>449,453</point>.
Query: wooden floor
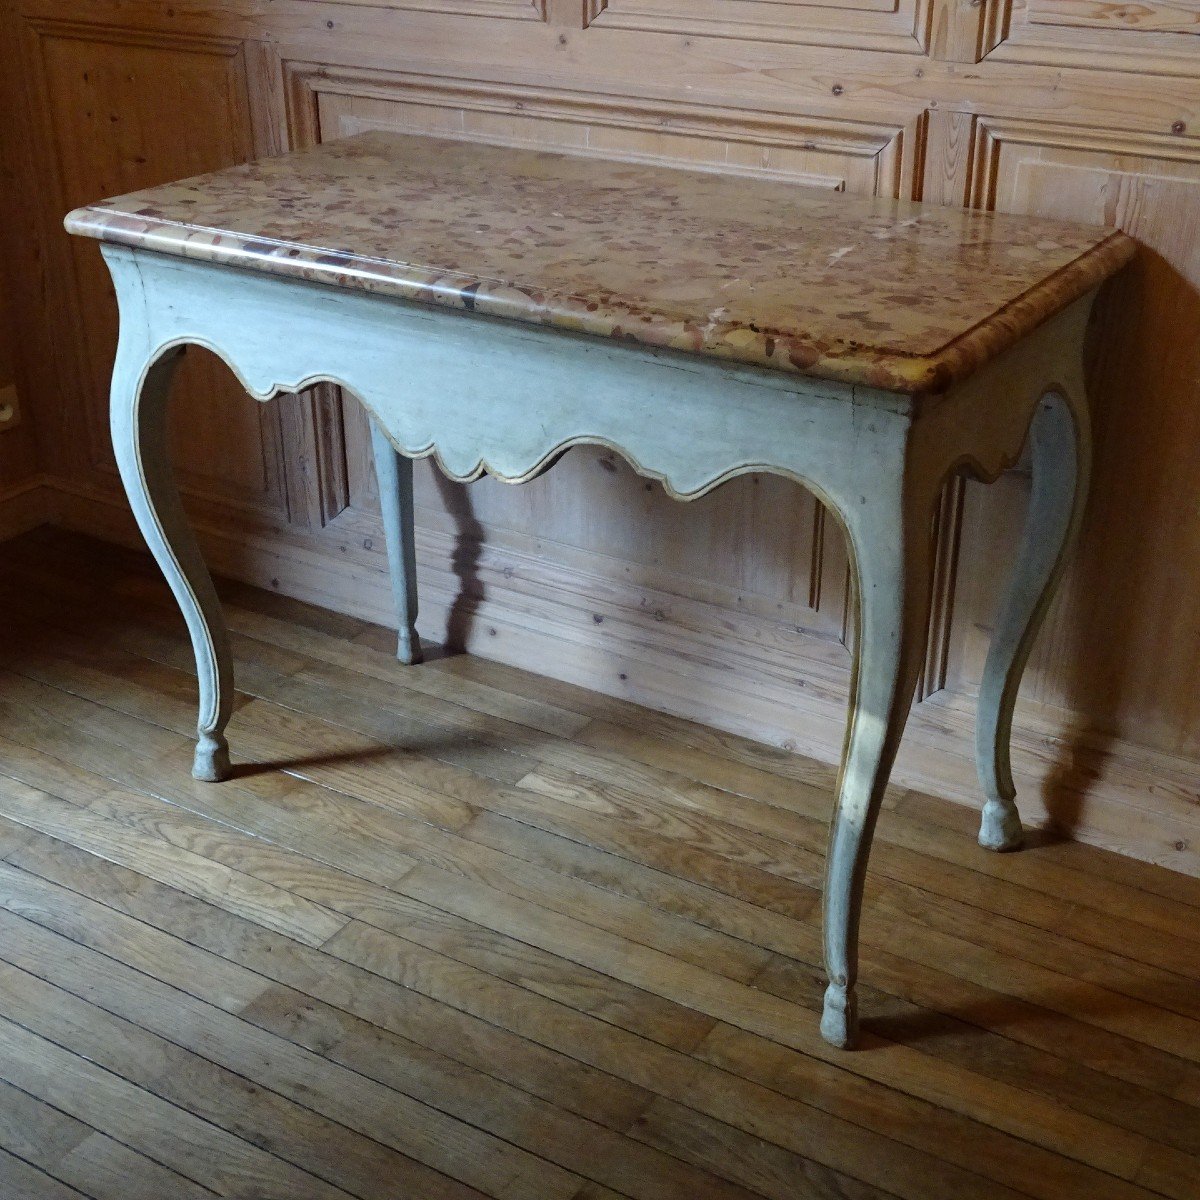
<point>458,931</point>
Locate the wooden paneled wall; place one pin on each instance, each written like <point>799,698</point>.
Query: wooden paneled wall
<point>735,610</point>
<point>19,504</point>
<point>6,350</point>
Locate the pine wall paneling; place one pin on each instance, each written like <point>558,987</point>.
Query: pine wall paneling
<point>20,493</point>
<point>6,350</point>
<point>22,498</point>
<point>734,610</point>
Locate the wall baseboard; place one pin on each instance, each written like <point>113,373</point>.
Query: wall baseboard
<point>674,655</point>
<point>25,506</point>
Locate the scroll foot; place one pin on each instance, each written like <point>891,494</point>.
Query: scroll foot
<point>211,763</point>
<point>839,1022</point>
<point>408,648</point>
<point>1001,826</point>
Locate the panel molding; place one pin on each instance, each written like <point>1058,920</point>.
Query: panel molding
<point>1151,37</point>
<point>34,32</point>
<point>993,133</point>
<point>98,33</point>
<point>901,26</point>
<point>993,130</point>
<point>1154,16</point>
<point>896,147</point>
<point>520,10</point>
<point>301,483</point>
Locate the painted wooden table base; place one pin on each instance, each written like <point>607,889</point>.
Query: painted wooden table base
<point>873,428</point>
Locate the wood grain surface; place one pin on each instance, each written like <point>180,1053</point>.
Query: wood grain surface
<point>457,931</point>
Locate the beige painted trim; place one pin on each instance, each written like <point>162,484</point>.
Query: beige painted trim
<point>1123,796</point>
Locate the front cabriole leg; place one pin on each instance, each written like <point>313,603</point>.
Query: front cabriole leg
<point>140,393</point>
<point>890,542</point>
<point>1060,446</point>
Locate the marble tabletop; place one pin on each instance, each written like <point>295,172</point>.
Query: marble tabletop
<point>894,295</point>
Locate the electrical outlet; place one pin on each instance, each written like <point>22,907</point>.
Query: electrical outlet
<point>10,408</point>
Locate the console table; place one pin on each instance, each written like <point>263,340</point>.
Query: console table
<point>492,307</point>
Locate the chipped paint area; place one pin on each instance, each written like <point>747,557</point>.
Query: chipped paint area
<point>904,297</point>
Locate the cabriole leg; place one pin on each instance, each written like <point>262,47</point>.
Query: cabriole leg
<point>1059,438</point>
<point>139,432</point>
<point>394,472</point>
<point>892,548</point>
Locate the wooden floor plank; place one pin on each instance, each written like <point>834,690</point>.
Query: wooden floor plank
<point>162,1132</point>
<point>968,886</point>
<point>312,976</point>
<point>537,1016</point>
<point>1180,996</point>
<point>112,1171</point>
<point>754,782</point>
<point>1070,1043</point>
<point>1020,903</point>
<point>36,1132</point>
<point>407,805</point>
<point>262,1088</point>
<point>77,1155</point>
<point>634,1167</point>
<point>1150,983</point>
<point>771,1170</point>
<point>1165,991</point>
<point>158,1013</point>
<point>762,1106</point>
<point>1087,862</point>
<point>341,885</point>
<point>462,931</point>
<point>273,907</point>
<point>1172,1035</point>
<point>961,1101</point>
<point>592,704</point>
<point>609,1156</point>
<point>782,843</point>
<point>25,1182</point>
<point>509,686</point>
<point>1134,877</point>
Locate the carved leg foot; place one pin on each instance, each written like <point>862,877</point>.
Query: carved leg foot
<point>211,763</point>
<point>140,393</point>
<point>1060,443</point>
<point>890,541</point>
<point>408,648</point>
<point>839,1021</point>
<point>395,475</point>
<point>1000,828</point>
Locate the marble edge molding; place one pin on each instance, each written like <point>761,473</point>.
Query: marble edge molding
<point>914,375</point>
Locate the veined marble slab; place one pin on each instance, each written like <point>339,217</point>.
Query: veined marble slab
<point>894,295</point>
